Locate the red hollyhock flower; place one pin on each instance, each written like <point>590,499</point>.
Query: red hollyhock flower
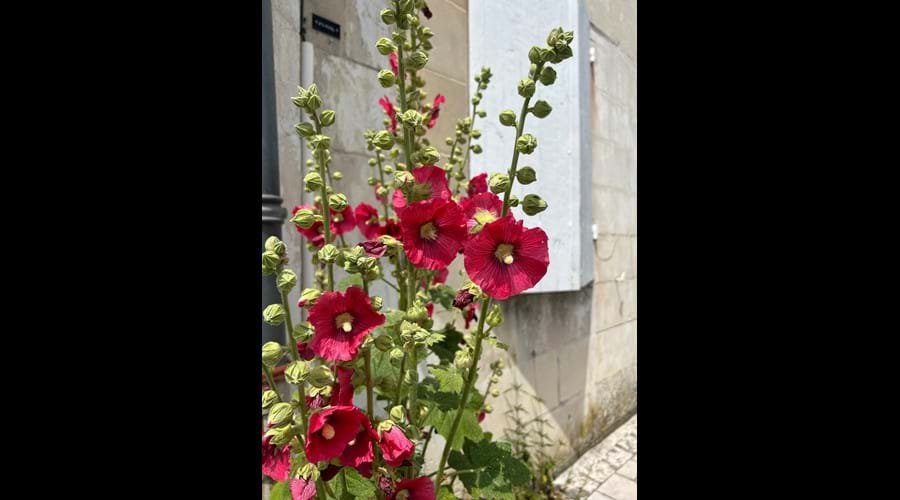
<point>433,230</point>
<point>331,431</point>
<point>374,248</point>
<point>470,314</point>
<point>389,110</point>
<point>342,390</point>
<point>395,446</point>
<point>276,463</point>
<point>436,109</point>
<point>341,320</point>
<point>478,184</point>
<point>395,63</point>
<point>302,489</point>
<point>305,352</point>
<point>420,488</point>
<point>392,229</point>
<point>315,233</point>
<point>381,199</point>
<point>481,416</point>
<point>317,401</point>
<point>505,259</point>
<point>343,221</point>
<point>481,209</point>
<point>367,220</point>
<point>360,452</point>
<point>430,183</point>
<point>429,308</point>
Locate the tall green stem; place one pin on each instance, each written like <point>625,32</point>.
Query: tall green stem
<point>326,207</point>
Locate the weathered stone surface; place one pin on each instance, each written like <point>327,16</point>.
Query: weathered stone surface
<point>574,364</point>
<point>611,351</point>
<point>352,90</point>
<point>455,107</point>
<point>614,304</point>
<point>629,470</point>
<point>613,258</point>
<point>362,27</point>
<point>451,31</point>
<point>618,20</point>
<point>586,477</point>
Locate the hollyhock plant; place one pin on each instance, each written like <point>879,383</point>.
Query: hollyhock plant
<point>430,183</point>
<point>341,320</point>
<point>420,488</point>
<point>505,258</point>
<point>433,230</point>
<point>479,210</point>
<point>367,220</point>
<point>368,314</point>
<point>395,446</point>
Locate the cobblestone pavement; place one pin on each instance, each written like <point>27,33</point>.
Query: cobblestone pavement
<point>607,471</point>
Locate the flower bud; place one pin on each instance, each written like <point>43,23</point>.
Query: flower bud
<point>463,298</point>
<point>386,78</point>
<point>305,129</point>
<point>385,46</point>
<point>337,175</point>
<point>328,253</point>
<point>280,413</point>
<point>495,316</point>
<point>338,202</point>
<point>274,244</point>
<point>526,87</point>
<point>310,472</point>
<point>526,175</point>
<point>304,218</point>
<point>462,360</point>
<point>385,425</point>
<point>482,114</point>
<point>274,314</point>
<point>534,55</point>
<point>417,60</point>
<point>270,262</point>
<point>313,181</point>
<point>533,204</point>
<point>377,303</point>
<point>403,178</point>
<point>508,118</point>
<point>327,117</point>
<point>301,98</point>
<point>541,109</point>
<point>396,354</point>
<point>314,102</point>
<point>397,413</point>
<point>282,435</point>
<point>308,297</point>
<point>513,201</point>
<point>495,379</point>
<point>269,397</point>
<point>563,53</point>
<point>296,371</point>
<point>429,155</point>
<point>476,149</point>
<point>383,140</point>
<point>272,352</point>
<point>320,142</point>
<point>495,392</point>
<point>321,376</point>
<point>488,409</point>
<point>388,16</point>
<point>499,183</point>
<point>384,343</point>
<point>416,313</point>
<point>526,144</point>
<point>286,281</point>
<point>411,118</point>
<point>476,133</point>
<point>388,169</point>
<point>548,76</point>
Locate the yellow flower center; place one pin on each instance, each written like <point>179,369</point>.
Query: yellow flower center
<point>344,321</point>
<point>327,432</point>
<point>483,216</point>
<point>504,253</point>
<point>428,231</point>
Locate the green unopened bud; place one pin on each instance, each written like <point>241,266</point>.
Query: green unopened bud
<point>388,16</point>
<point>327,117</point>
<point>541,109</point>
<point>476,100</point>
<point>397,413</point>
<point>310,472</point>
<point>548,76</point>
<point>495,379</point>
<point>328,253</point>
<point>381,191</point>
<point>429,155</point>
<point>526,175</point>
<point>563,53</point>
<point>270,262</point>
<point>488,409</point>
<point>321,376</point>
<point>286,281</point>
<point>313,181</point>
<point>274,314</point>
<point>476,133</point>
<point>411,118</point>
<point>533,204</point>
<point>337,175</point>
<point>534,55</point>
<point>305,129</point>
<point>269,397</point>
<point>377,303</point>
<point>275,245</point>
<point>320,142</point>
<point>513,200</point>
<point>495,392</point>
<point>386,78</point>
<point>526,87</point>
<point>384,343</point>
<point>301,98</point>
<point>314,102</point>
<point>388,169</point>
<point>308,297</point>
<point>462,360</point>
<point>396,354</point>
<point>385,425</point>
<point>403,178</point>
<point>417,60</point>
<point>304,218</point>
<point>417,313</point>
<point>385,46</point>
<point>508,118</point>
<point>296,371</point>
<point>338,201</point>
<point>482,114</point>
<point>526,144</point>
<point>383,139</point>
<point>280,413</point>
<point>495,316</point>
<point>272,352</point>
<point>499,183</point>
<point>281,435</point>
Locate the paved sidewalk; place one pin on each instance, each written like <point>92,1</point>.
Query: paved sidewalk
<point>607,471</point>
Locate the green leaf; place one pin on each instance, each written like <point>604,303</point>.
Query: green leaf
<point>350,280</point>
<point>494,341</point>
<point>449,378</point>
<point>445,493</point>
<point>446,349</point>
<point>496,470</point>
<point>443,295</point>
<point>357,485</point>
<point>468,426</point>
<point>281,491</point>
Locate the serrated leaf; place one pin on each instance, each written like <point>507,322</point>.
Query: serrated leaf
<point>446,348</point>
<point>350,280</point>
<point>357,485</point>
<point>496,470</point>
<point>449,379</point>
<point>281,491</point>
<point>443,295</point>
<point>468,426</point>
